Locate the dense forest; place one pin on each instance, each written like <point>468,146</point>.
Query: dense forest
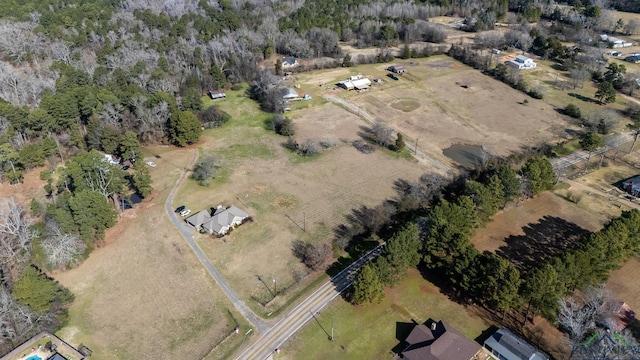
<point>81,79</point>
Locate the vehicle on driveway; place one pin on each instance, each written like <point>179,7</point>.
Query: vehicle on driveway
<point>180,208</point>
<point>184,213</point>
<point>151,163</point>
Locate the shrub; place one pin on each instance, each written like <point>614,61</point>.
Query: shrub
<point>309,147</point>
<point>536,93</point>
<point>236,87</point>
<point>363,147</point>
<point>573,111</point>
<point>205,170</point>
<point>213,117</point>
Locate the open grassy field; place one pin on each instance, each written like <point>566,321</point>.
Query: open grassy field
<point>289,197</point>
<point>145,295</point>
<point>372,331</point>
<point>529,232</point>
<point>429,103</point>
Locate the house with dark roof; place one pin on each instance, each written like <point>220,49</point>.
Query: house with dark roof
<point>220,222</point>
<point>397,69</point>
<point>439,341</point>
<point>289,62</point>
<point>56,356</point>
<point>506,345</point>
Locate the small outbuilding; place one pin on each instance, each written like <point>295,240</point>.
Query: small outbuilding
<point>397,69</point>
<point>290,94</point>
<point>217,94</point>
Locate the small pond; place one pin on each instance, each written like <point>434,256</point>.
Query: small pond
<point>468,156</point>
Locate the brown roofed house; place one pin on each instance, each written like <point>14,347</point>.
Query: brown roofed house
<point>439,341</point>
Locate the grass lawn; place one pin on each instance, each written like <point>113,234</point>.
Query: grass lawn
<point>369,331</point>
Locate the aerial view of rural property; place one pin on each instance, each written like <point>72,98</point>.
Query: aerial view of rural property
<point>319,179</point>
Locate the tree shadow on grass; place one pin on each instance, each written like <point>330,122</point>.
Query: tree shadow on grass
<point>583,98</point>
<point>440,279</point>
<point>550,237</point>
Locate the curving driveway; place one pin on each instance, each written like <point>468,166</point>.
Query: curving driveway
<point>275,336</point>
<point>187,233</point>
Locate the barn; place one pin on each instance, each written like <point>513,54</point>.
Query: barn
<point>359,84</point>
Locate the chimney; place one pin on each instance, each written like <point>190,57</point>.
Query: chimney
<point>433,326</point>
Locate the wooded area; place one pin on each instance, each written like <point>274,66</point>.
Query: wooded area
<point>81,79</point>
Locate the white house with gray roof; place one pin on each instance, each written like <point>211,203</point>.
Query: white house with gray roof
<point>222,220</point>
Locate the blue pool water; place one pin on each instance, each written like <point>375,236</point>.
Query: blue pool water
<point>34,357</point>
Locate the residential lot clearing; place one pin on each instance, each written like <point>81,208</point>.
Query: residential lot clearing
<point>143,294</point>
<point>441,102</point>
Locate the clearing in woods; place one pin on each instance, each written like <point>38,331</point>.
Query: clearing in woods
<point>146,295</point>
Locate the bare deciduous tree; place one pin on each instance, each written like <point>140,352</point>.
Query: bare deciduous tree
<point>382,133</point>
<point>15,237</point>
<point>62,249</point>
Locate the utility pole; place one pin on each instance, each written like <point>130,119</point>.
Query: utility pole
<point>304,221</point>
<point>275,287</point>
<point>331,338</point>
<point>416,147</point>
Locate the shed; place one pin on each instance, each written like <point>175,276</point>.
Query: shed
<point>397,69</point>
<point>290,93</point>
<point>217,94</point>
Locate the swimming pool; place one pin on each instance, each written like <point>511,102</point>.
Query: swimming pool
<point>33,357</point>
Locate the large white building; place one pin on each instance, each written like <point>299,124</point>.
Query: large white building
<point>359,84</point>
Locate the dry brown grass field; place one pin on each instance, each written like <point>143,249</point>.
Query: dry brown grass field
<point>145,295</point>
<point>290,198</point>
<point>430,104</point>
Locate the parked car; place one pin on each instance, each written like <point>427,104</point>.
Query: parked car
<point>151,163</point>
<point>184,213</point>
<point>180,208</point>
<point>125,168</point>
<point>393,76</point>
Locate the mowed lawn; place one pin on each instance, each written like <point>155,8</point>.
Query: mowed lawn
<point>144,294</point>
<point>369,331</point>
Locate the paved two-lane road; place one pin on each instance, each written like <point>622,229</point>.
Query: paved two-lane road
<point>187,233</point>
<point>561,163</point>
<point>301,314</point>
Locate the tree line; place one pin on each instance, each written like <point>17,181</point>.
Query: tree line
<point>435,231</point>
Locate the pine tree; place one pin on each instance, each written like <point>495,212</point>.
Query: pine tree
<point>367,287</point>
